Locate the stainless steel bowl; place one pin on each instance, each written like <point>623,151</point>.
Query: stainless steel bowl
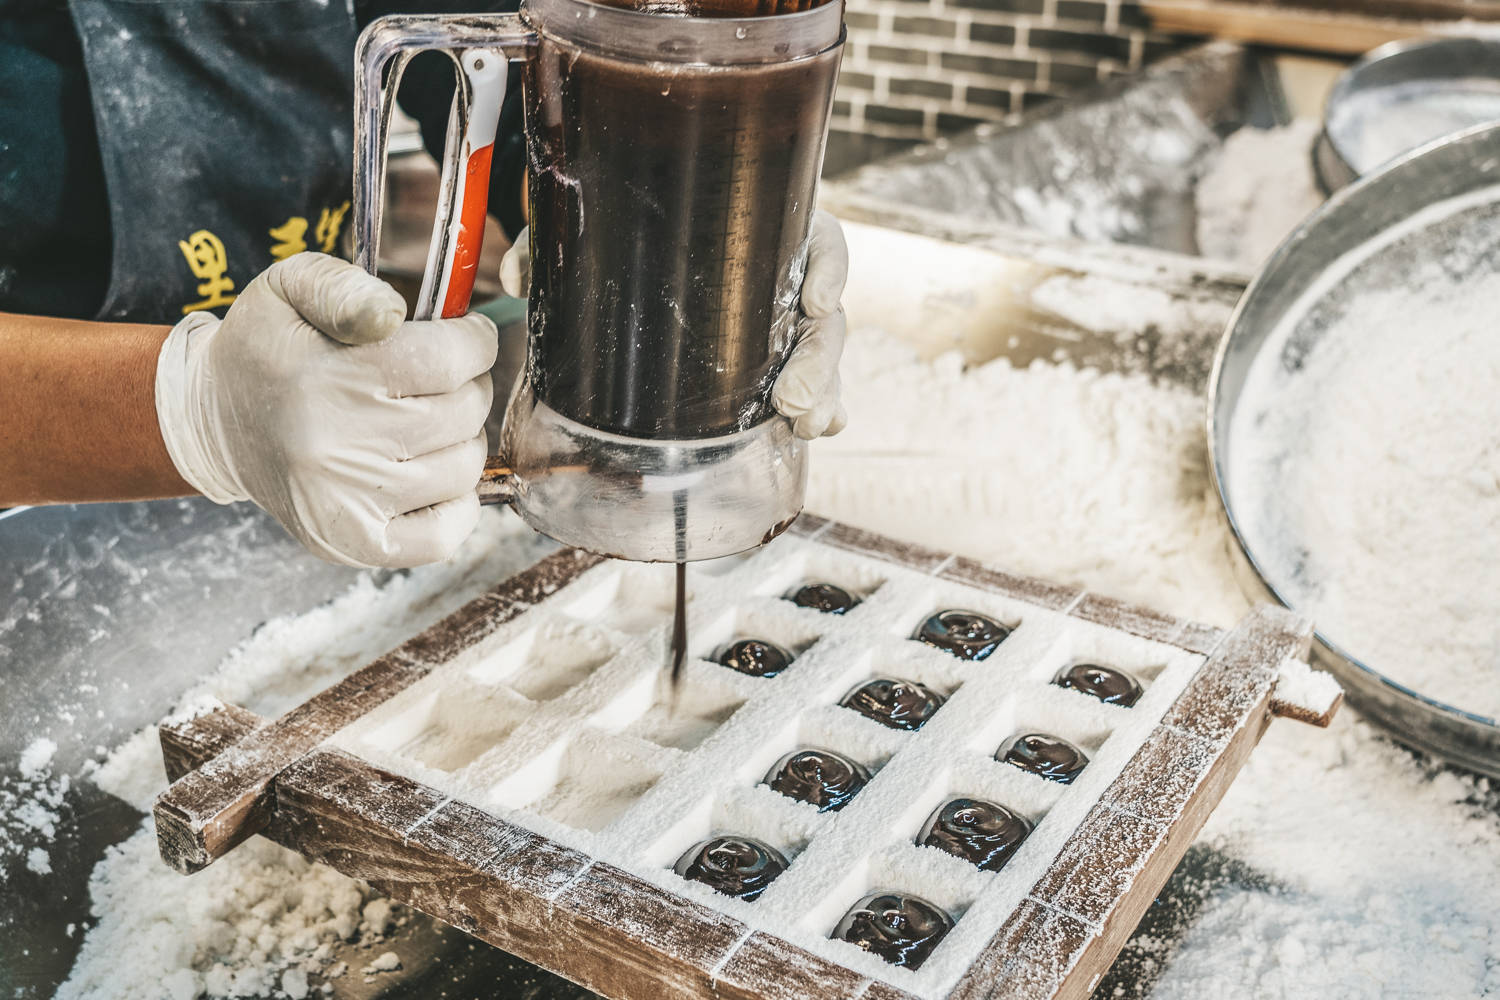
<point>1368,119</point>
<point>1459,165</point>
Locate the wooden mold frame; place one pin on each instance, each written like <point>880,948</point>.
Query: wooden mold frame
<point>235,774</point>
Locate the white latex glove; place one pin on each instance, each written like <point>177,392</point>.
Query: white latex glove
<point>361,433</point>
<point>807,390</point>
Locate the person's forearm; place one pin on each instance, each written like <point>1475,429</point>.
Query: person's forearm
<point>78,413</point>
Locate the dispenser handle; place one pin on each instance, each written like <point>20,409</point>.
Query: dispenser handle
<point>481,47</point>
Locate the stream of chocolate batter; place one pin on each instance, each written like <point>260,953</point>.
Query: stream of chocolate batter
<point>679,612</point>
<point>679,626</point>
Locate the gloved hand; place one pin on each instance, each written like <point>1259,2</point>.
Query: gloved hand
<point>361,433</point>
<point>807,390</point>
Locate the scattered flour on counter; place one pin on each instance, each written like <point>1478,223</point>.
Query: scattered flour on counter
<point>1083,477</point>
<point>1386,877</point>
<point>294,984</point>
<point>30,810</point>
<point>262,917</point>
<point>1259,186</point>
<point>36,758</point>
<point>1368,473</point>
<point>39,861</point>
<point>231,930</point>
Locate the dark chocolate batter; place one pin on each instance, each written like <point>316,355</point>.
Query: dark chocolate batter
<point>735,866</point>
<point>1052,757</point>
<point>980,832</point>
<point>755,657</point>
<point>679,625</point>
<point>893,702</point>
<point>901,929</point>
<point>968,635</point>
<point>828,597</point>
<point>1111,686</point>
<point>819,777</point>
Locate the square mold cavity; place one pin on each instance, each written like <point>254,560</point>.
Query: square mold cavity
<point>586,783</point>
<point>1085,642</point>
<point>757,619</point>
<point>950,597</point>
<point>643,707</point>
<point>932,668</point>
<point>1055,711</point>
<point>825,727</point>
<point>940,879</point>
<point>698,714</point>
<point>974,776</point>
<point>448,728</point>
<point>546,660</point>
<point>633,598</point>
<point>744,812</point>
<point>932,672</point>
<point>860,577</point>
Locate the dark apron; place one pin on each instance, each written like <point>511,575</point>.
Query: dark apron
<point>226,133</point>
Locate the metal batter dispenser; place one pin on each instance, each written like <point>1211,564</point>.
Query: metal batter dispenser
<point>673,157</point>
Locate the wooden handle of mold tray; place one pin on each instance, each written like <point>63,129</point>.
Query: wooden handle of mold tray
<point>1305,694</point>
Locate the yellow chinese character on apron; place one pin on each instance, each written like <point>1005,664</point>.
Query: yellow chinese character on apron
<point>205,256</point>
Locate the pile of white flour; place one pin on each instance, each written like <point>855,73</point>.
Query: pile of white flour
<point>1388,878</point>
<point>1258,187</point>
<point>1074,475</point>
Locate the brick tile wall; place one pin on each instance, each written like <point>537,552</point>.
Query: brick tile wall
<point>915,69</point>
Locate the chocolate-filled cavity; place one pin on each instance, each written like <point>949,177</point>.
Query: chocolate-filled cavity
<point>826,597</point>
<point>982,833</point>
<point>894,702</point>
<point>818,777</point>
<point>1052,757</point>
<point>900,928</point>
<point>968,635</point>
<point>1111,686</point>
<point>755,657</point>
<point>736,866</point>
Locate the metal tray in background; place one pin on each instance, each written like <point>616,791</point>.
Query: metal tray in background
<point>1459,165</point>
<point>1118,164</point>
<point>1464,73</point>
